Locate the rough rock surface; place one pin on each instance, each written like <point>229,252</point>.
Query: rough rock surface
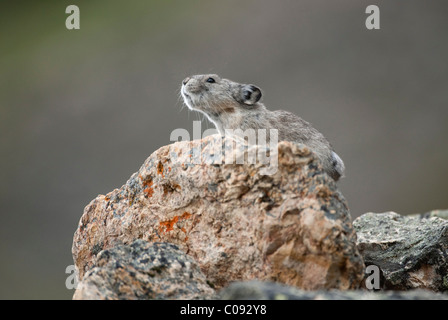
<point>237,222</point>
<point>256,290</point>
<point>411,252</point>
<point>144,271</point>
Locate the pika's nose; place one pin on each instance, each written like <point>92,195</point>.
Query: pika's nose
<point>185,80</point>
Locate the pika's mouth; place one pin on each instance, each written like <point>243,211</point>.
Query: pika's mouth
<point>188,100</point>
<point>185,93</point>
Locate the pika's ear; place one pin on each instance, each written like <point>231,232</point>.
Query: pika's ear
<point>250,94</point>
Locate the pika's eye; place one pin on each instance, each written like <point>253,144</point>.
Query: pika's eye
<point>211,80</point>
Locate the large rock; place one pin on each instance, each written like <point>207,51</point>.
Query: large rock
<point>256,290</point>
<point>411,252</point>
<point>236,221</point>
<point>144,271</point>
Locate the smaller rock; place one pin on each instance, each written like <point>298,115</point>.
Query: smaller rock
<point>411,251</point>
<point>257,290</point>
<point>144,270</point>
<point>443,214</point>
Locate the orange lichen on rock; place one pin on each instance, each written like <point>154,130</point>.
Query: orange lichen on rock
<point>147,186</point>
<point>185,215</point>
<point>169,225</point>
<point>166,226</point>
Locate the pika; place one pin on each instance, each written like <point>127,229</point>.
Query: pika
<point>231,105</point>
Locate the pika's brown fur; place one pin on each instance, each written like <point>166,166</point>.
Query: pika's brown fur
<point>232,105</point>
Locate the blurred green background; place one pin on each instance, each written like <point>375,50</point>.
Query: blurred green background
<point>81,110</point>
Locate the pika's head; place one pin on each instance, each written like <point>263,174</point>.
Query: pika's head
<point>213,95</point>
